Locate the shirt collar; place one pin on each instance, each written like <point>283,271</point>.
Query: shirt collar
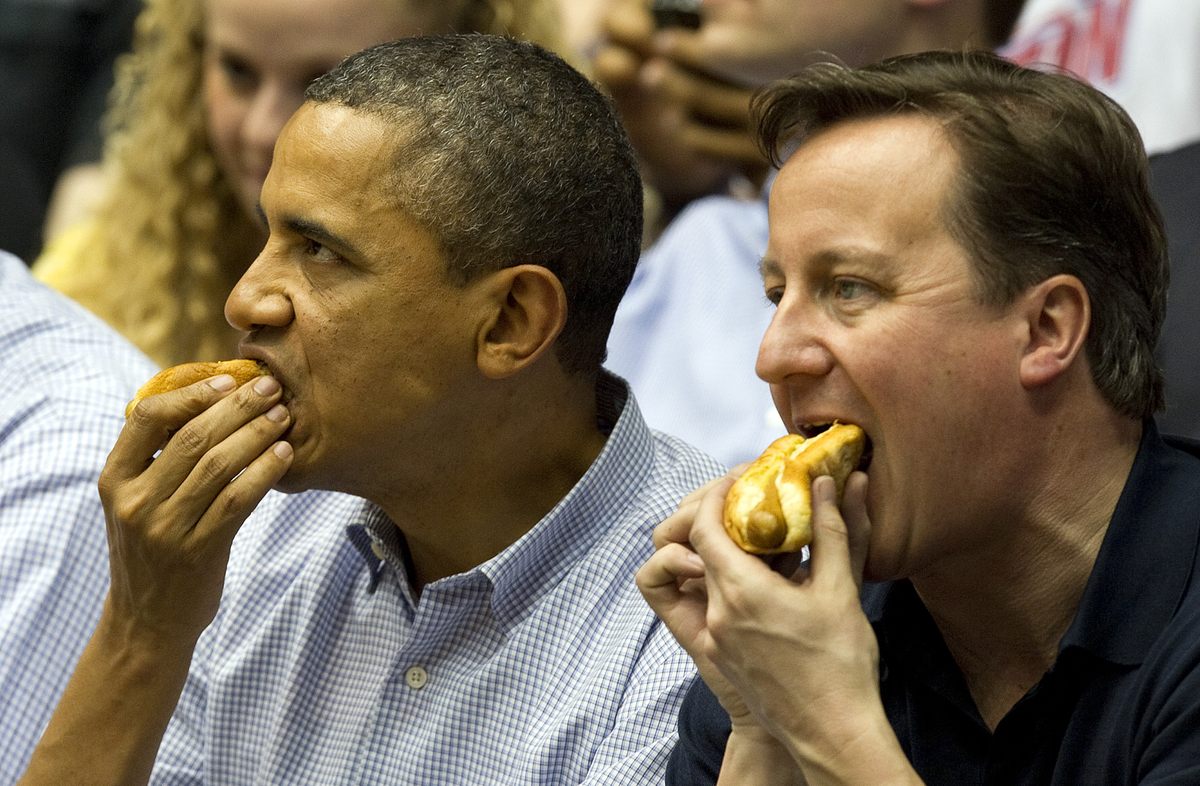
<point>1148,554</point>
<point>540,557</point>
<point>544,554</point>
<point>377,541</point>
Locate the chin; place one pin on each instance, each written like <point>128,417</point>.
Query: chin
<point>291,483</point>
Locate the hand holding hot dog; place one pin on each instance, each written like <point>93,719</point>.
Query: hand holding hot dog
<point>186,471</point>
<point>793,655</point>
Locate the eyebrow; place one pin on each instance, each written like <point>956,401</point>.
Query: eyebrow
<point>313,230</point>
<point>826,259</point>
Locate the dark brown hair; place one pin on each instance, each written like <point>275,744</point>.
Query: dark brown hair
<point>1053,178</point>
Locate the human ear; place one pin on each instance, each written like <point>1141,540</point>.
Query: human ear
<point>528,309</point>
<point>1058,312</point>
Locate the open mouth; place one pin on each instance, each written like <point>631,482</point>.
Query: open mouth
<point>810,430</point>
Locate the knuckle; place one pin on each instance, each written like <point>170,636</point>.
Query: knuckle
<point>191,440</point>
<point>719,622</point>
<point>233,501</point>
<point>142,416</point>
<point>108,484</point>
<point>214,468</point>
<point>130,507</point>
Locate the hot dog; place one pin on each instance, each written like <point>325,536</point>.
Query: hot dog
<point>769,508</point>
<point>241,370</point>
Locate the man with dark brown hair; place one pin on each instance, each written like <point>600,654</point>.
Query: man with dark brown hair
<point>965,261</point>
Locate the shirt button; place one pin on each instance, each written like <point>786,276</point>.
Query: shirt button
<point>378,550</point>
<point>416,677</point>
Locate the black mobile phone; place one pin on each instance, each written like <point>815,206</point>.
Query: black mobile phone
<point>676,13</point>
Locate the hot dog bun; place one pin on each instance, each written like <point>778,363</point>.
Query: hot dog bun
<point>185,374</point>
<point>769,508</point>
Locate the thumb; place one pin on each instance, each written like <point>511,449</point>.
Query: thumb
<point>831,553</point>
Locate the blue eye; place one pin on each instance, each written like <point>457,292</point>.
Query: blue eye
<point>850,288</point>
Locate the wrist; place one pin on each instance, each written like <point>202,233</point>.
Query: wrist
<point>753,756</point>
<point>139,646</point>
<point>866,751</point>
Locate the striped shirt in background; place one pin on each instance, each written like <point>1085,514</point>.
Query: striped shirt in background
<point>64,380</point>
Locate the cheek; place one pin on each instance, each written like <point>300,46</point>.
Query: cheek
<point>223,111</point>
<point>779,397</point>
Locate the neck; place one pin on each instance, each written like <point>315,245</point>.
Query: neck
<point>1004,607</point>
<point>504,476</point>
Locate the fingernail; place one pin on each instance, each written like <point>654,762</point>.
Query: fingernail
<point>283,450</point>
<point>277,413</point>
<point>265,386</point>
<point>223,384</point>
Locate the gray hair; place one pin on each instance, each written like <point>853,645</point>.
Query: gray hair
<point>510,156</point>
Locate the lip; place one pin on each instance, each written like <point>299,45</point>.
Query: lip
<point>253,352</point>
<point>801,426</point>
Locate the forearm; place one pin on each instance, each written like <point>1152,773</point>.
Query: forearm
<point>112,716</point>
<point>867,753</point>
<point>755,758</point>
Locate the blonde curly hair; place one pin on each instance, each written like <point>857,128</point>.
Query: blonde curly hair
<point>171,238</point>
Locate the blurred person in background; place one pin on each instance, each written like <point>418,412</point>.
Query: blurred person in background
<point>1144,55</point>
<point>64,379</point>
<point>196,112</point>
<point>687,332</point>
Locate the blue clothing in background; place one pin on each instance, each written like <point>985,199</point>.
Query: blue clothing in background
<point>65,378</point>
<point>686,334</point>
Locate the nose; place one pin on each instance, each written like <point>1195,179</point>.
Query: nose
<point>793,346</point>
<point>270,109</point>
<point>260,297</point>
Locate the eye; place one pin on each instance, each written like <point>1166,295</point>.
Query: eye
<point>239,74</point>
<point>851,289</point>
<point>774,295</point>
<point>319,252</point>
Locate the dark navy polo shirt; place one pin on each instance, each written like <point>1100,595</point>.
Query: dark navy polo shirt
<point>1121,705</point>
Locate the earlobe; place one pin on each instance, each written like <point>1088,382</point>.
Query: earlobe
<point>1059,315</point>
<point>528,308</point>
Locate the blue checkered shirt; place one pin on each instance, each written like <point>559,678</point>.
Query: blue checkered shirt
<point>64,381</point>
<point>543,665</point>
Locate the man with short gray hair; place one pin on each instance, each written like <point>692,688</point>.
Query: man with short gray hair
<point>452,222</point>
